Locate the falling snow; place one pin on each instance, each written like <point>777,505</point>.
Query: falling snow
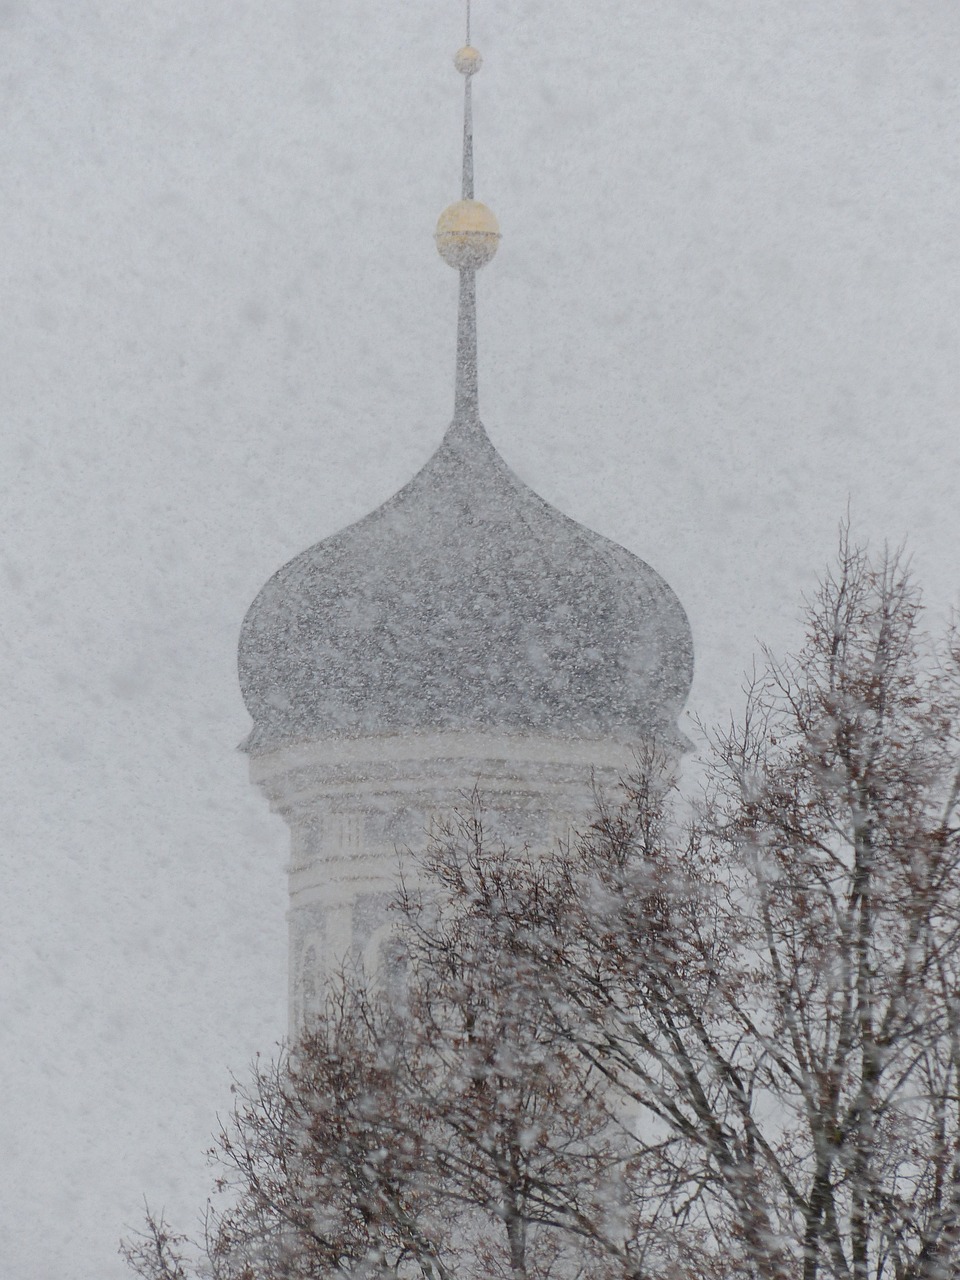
<point>725,304</point>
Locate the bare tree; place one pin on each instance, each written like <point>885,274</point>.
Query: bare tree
<point>720,1048</point>
<point>777,995</point>
<point>157,1251</point>
<point>522,1140</point>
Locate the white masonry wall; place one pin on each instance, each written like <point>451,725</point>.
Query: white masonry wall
<point>353,803</point>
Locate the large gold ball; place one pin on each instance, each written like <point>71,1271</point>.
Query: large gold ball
<point>467,60</point>
<point>467,234</point>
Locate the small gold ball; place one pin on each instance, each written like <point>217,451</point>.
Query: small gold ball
<point>467,60</point>
<point>467,234</point>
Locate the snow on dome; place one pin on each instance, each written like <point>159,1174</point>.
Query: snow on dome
<point>464,602</point>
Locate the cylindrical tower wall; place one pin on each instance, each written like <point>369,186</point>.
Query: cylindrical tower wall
<point>354,806</point>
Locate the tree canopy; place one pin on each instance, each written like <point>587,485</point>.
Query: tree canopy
<point>709,1041</point>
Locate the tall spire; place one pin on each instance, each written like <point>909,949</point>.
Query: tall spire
<point>467,61</point>
<point>467,238</point>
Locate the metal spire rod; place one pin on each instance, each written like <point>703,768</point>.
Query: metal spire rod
<point>467,396</point>
<point>467,186</point>
<point>467,237</point>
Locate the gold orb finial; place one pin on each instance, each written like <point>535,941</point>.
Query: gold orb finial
<point>467,234</point>
<point>468,60</point>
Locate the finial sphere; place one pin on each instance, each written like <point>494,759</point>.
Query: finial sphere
<point>467,234</point>
<point>467,60</point>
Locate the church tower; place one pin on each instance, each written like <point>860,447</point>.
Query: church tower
<point>465,634</point>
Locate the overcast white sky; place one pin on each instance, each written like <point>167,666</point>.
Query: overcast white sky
<point>727,299</point>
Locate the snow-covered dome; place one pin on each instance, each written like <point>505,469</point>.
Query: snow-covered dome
<point>465,602</point>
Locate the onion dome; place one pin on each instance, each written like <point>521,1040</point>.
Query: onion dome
<point>465,602</point>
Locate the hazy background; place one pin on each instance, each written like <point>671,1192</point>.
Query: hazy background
<point>726,301</point>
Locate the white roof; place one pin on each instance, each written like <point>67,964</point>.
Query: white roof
<point>464,602</point>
